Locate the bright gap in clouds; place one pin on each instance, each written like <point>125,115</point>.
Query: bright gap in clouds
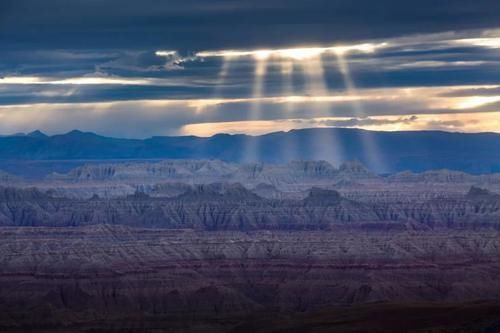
<point>491,42</point>
<point>166,53</point>
<point>475,101</point>
<point>299,53</point>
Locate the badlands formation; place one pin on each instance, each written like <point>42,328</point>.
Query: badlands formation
<point>221,243</point>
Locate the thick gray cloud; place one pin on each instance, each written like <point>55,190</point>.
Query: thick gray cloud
<point>197,24</point>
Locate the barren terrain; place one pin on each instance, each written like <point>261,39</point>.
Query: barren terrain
<point>213,246</point>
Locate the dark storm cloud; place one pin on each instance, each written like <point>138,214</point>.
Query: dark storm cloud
<point>194,25</point>
<point>34,94</point>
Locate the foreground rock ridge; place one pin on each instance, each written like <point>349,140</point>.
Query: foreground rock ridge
<point>212,241</point>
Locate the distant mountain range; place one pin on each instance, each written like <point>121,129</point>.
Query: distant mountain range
<point>381,152</point>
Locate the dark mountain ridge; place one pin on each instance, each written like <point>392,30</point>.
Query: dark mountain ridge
<point>396,151</point>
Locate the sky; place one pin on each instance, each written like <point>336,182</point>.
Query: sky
<point>199,67</point>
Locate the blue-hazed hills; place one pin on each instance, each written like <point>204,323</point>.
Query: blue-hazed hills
<point>382,152</point>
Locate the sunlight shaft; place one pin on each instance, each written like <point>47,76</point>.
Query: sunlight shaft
<point>327,145</point>
<point>372,151</point>
<point>252,148</point>
<point>221,79</point>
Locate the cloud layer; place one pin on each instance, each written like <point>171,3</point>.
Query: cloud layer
<point>147,68</point>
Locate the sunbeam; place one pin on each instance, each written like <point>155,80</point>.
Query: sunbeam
<point>252,148</point>
<point>290,151</point>
<point>221,79</point>
<point>372,151</point>
<point>327,145</point>
<point>286,82</point>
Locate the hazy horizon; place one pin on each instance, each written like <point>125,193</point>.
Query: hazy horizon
<point>241,133</point>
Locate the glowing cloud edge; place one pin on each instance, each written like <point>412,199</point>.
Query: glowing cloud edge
<point>299,53</point>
